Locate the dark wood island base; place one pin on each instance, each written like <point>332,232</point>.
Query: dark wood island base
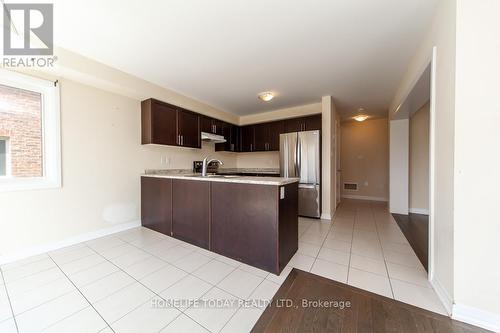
<point>256,224</point>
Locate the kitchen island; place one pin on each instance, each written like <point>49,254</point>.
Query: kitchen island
<point>250,219</point>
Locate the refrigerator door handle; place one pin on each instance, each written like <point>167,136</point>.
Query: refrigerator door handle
<point>285,152</point>
<point>295,155</point>
<point>299,157</point>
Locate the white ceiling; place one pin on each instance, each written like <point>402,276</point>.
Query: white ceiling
<point>224,52</point>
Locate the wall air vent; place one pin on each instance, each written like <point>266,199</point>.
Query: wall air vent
<point>351,186</point>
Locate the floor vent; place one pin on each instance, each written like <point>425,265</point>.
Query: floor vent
<point>351,186</point>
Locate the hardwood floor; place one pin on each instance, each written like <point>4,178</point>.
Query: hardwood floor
<point>415,227</point>
<point>367,312</point>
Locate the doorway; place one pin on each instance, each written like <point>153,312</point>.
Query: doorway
<point>411,166</point>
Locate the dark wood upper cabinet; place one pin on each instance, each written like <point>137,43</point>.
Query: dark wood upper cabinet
<point>188,128</point>
<point>159,123</point>
<point>247,138</point>
<point>206,124</point>
<point>267,136</point>
<point>293,125</point>
<point>313,123</point>
<point>261,133</point>
<point>167,124</point>
<point>276,128</point>
<point>219,126</point>
<point>211,125</point>
<point>309,123</point>
<point>231,134</point>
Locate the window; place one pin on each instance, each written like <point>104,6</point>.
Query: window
<point>29,133</point>
<point>4,163</point>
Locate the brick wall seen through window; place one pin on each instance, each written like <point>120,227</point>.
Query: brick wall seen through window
<point>3,157</point>
<point>21,123</point>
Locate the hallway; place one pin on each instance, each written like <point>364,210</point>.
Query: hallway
<point>364,248</point>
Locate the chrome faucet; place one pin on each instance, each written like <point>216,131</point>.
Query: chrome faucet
<point>205,164</point>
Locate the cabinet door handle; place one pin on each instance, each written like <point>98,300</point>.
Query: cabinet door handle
<point>179,139</point>
<point>182,140</point>
<point>251,147</point>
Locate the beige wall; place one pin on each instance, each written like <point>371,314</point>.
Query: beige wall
<point>477,162</point>
<point>328,162</point>
<point>270,159</point>
<point>399,151</point>
<point>81,69</point>
<point>365,157</point>
<point>419,160</point>
<point>102,159</point>
<point>442,35</point>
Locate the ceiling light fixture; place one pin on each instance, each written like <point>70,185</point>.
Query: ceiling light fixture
<point>266,96</point>
<point>360,118</point>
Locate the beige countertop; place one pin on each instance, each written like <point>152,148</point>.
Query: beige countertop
<point>189,175</point>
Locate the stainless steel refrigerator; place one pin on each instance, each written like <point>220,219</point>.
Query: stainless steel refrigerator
<point>300,158</point>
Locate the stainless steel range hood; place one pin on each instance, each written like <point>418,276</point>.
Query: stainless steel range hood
<point>212,137</point>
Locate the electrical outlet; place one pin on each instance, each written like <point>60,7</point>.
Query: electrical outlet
<point>366,183</point>
<point>167,161</point>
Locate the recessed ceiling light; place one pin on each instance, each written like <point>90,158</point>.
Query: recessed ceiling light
<point>266,96</point>
<point>360,116</point>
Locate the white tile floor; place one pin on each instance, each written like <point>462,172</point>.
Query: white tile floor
<point>123,282</point>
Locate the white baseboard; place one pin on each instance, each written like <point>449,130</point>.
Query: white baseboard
<point>419,211</point>
<point>443,295</point>
<point>36,250</point>
<point>326,217</point>
<point>363,197</point>
<point>477,317</point>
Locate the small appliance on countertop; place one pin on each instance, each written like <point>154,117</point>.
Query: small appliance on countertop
<point>213,167</point>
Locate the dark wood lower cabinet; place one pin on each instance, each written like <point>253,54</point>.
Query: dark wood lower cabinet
<point>156,204</point>
<point>254,224</point>
<point>288,230</point>
<point>244,223</point>
<point>191,211</point>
